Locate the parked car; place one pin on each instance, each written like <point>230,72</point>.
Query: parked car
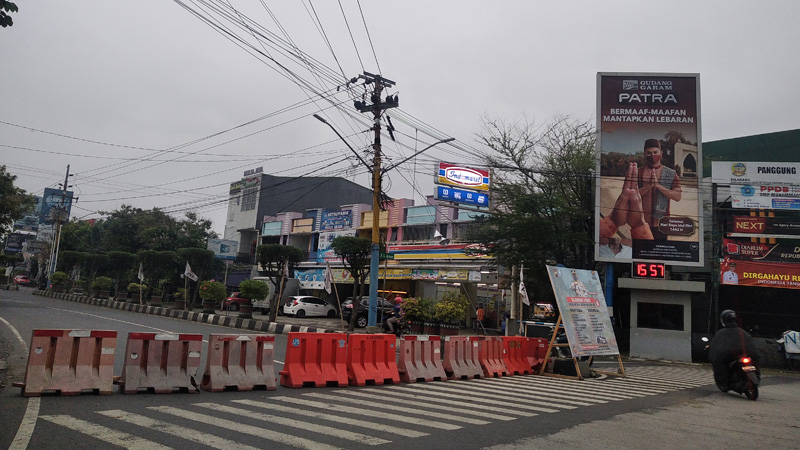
<point>384,307</point>
<point>306,306</point>
<point>233,303</point>
<point>22,280</point>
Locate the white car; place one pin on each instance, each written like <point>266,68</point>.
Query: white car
<point>303,305</point>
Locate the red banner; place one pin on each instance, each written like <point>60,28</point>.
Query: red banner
<point>750,273</point>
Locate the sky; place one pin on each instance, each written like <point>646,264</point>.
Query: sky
<point>151,106</point>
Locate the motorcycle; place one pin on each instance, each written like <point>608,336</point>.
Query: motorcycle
<point>402,327</point>
<point>743,376</point>
<point>789,345</point>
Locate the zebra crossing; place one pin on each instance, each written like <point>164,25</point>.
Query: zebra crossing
<point>360,417</point>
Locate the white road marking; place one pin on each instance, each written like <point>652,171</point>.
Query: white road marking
<point>374,413</point>
<point>435,403</point>
<point>276,436</point>
<point>176,430</point>
<point>315,428</point>
<point>28,424</point>
<point>377,426</point>
<point>105,434</point>
<point>442,390</point>
<point>399,409</point>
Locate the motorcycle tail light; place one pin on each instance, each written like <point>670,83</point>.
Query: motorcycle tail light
<point>746,360</point>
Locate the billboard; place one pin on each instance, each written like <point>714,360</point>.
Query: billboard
<point>464,177</point>
<point>336,220</point>
<point>324,250</point>
<point>759,185</point>
<point>15,241</point>
<point>450,194</point>
<point>55,203</point>
<point>760,274</point>
<point>583,309</point>
<point>224,248</point>
<point>649,160</point>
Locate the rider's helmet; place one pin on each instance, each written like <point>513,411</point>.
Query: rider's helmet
<point>728,318</point>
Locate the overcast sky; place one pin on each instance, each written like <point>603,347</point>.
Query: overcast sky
<point>132,95</point>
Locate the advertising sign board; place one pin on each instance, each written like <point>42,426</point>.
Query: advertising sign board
<point>324,250</point>
<point>461,196</point>
<point>759,185</point>
<point>55,203</point>
<point>224,248</point>
<point>649,159</point>
<point>760,274</point>
<point>460,176</point>
<point>584,312</point>
<point>336,220</point>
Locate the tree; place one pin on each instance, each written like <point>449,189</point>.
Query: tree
<point>275,260</point>
<point>155,265</point>
<point>14,202</point>
<point>542,188</point>
<point>5,8</point>
<point>356,253</point>
<point>253,289</point>
<point>119,264</point>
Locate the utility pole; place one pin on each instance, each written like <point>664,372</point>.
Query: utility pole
<point>57,236</point>
<point>377,107</point>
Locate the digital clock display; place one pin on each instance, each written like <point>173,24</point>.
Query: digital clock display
<point>649,270</point>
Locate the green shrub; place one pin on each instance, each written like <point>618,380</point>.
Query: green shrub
<point>417,309</point>
<point>60,280</point>
<point>136,287</point>
<point>451,308</point>
<point>252,289</point>
<point>102,284</point>
<point>212,291</point>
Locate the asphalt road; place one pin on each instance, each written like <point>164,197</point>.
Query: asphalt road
<point>655,406</point>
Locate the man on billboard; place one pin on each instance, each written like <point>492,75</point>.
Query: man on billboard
<point>658,185</point>
<point>730,276</point>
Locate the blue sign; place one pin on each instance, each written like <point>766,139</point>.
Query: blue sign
<point>462,196</point>
<point>336,220</point>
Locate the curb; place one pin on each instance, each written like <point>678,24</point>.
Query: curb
<point>214,319</point>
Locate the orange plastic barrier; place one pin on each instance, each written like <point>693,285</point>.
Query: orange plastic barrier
<point>535,350</point>
<point>514,356</point>
<point>315,358</point>
<point>461,357</point>
<point>491,356</point>
<point>240,361</point>
<point>421,359</point>
<point>372,358</point>
<point>160,362</point>
<point>68,362</point>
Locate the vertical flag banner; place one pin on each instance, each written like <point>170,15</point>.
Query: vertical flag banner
<point>649,161</point>
<point>141,272</point>
<point>523,293</point>
<point>188,272</point>
<point>328,278</point>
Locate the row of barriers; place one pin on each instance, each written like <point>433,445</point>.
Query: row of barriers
<point>71,362</point>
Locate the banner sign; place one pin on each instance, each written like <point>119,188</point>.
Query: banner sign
<point>461,196</point>
<point>764,225</point>
<point>324,250</point>
<point>760,274</point>
<point>649,161</point>
<point>311,278</point>
<point>15,241</point>
<point>752,251</point>
<point>224,248</point>
<point>460,176</point>
<point>336,220</point>
<point>583,309</point>
<point>424,274</point>
<point>759,185</point>
<point>55,203</point>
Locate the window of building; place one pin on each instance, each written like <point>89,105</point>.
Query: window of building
<point>418,233</point>
<point>249,197</point>
<point>661,316</point>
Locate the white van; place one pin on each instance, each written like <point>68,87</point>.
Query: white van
<point>290,288</point>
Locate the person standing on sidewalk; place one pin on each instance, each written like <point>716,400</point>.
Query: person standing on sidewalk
<point>480,315</point>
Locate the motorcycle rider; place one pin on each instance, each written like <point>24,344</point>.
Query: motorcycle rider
<point>729,343</point>
<point>397,312</point>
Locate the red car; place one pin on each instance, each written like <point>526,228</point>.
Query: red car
<point>22,280</point>
<point>232,303</point>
